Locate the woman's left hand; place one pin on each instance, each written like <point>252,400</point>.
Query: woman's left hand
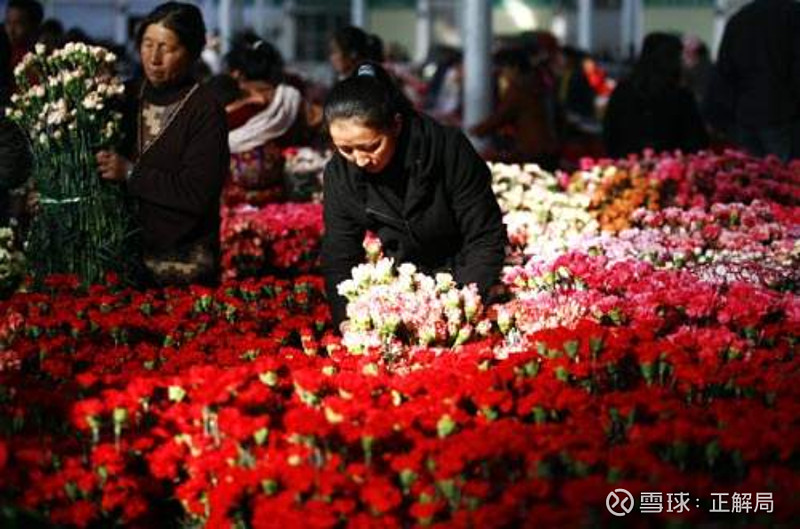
<point>112,166</point>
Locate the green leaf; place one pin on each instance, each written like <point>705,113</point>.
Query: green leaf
<point>445,426</point>
<point>571,348</point>
<point>261,435</point>
<point>647,369</point>
<point>713,452</point>
<point>176,393</point>
<point>120,415</point>
<point>269,486</point>
<point>407,478</point>
<point>270,378</point>
<point>490,413</point>
<point>449,490</point>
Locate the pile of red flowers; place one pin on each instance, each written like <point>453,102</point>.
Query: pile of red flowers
<point>237,406</point>
<point>276,239</point>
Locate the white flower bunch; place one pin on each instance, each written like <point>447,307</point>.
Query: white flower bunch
<point>68,96</point>
<point>392,306</point>
<point>540,216</point>
<point>306,160</point>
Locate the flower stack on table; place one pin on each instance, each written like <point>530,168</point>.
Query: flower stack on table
<point>264,233</point>
<point>656,351</point>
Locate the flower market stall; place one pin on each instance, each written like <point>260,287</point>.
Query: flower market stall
<point>650,343</point>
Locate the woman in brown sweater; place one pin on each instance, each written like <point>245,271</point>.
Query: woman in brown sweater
<point>179,157</point>
<point>520,124</point>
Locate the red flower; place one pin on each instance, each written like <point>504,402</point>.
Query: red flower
<point>380,495</point>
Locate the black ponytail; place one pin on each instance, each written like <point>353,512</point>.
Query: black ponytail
<point>371,96</point>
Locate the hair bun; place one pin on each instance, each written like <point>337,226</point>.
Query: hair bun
<point>366,70</point>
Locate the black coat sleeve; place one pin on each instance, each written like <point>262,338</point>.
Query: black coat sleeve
<point>478,215</point>
<point>203,164</point>
<point>342,244</point>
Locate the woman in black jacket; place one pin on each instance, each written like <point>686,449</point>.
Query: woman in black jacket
<point>419,186</point>
<point>651,109</point>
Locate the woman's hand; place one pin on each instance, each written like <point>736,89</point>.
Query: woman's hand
<point>112,166</point>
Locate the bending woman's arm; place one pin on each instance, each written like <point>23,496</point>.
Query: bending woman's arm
<point>342,244</point>
<point>479,218</point>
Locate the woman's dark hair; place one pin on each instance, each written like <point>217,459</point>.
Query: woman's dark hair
<point>224,88</point>
<point>369,95</point>
<point>256,60</point>
<point>185,20</point>
<point>359,45</point>
<point>32,9</point>
<point>659,66</point>
<point>375,51</point>
<point>515,58</point>
<point>353,42</point>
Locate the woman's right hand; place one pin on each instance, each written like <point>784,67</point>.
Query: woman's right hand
<point>113,166</point>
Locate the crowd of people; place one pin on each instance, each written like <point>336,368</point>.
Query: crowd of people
<point>401,166</point>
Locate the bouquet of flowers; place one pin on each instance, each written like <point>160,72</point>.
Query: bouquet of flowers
<point>391,307</point>
<point>540,217</point>
<point>303,173</point>
<point>66,103</point>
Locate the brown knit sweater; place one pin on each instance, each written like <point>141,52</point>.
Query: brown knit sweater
<point>178,179</point>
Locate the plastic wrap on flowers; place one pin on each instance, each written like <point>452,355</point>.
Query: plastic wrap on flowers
<point>12,263</point>
<point>281,239</point>
<point>390,308</point>
<point>303,173</point>
<point>66,103</point>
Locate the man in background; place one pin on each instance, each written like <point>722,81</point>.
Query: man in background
<point>759,67</point>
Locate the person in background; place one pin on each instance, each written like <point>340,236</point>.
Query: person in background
<point>23,20</point>
<point>697,67</point>
<point>212,56</point>
<point>267,116</point>
<point>418,185</point>
<point>651,109</point>
<point>177,158</point>
<point>443,97</point>
<point>51,34</point>
<point>575,95</point>
<point>520,122</point>
<point>758,66</point>
<point>351,46</point>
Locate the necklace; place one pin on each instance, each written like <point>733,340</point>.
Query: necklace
<point>143,146</point>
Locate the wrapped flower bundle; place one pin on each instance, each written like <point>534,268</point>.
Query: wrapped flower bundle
<point>303,173</point>
<point>12,263</point>
<point>66,103</point>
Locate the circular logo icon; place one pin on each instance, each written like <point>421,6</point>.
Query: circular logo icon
<point>619,502</point>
